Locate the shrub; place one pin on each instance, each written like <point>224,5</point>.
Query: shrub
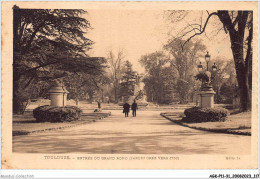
<point>196,114</point>
<point>56,114</point>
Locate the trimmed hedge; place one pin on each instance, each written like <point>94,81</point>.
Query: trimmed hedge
<point>56,114</point>
<point>196,114</point>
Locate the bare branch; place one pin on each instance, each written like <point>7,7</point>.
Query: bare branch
<point>225,28</point>
<point>201,20</point>
<point>203,29</point>
<point>193,28</point>
<point>220,30</point>
<point>186,34</point>
<point>227,22</point>
<point>29,82</point>
<point>235,21</point>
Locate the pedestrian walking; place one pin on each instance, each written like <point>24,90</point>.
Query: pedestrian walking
<point>99,104</point>
<point>134,107</point>
<point>126,107</point>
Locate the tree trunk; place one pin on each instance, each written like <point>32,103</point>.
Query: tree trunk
<point>241,73</point>
<point>115,93</point>
<point>19,104</point>
<point>102,94</point>
<point>77,101</point>
<point>237,41</point>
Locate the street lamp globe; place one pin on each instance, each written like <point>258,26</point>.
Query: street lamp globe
<point>207,57</point>
<point>214,67</point>
<point>200,67</point>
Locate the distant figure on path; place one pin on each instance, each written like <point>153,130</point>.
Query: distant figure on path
<point>134,107</point>
<point>99,104</point>
<point>126,107</point>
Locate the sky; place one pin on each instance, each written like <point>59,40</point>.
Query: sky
<point>140,32</point>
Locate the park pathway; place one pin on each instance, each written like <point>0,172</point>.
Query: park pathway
<point>148,133</point>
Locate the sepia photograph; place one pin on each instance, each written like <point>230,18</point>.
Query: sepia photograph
<point>130,83</point>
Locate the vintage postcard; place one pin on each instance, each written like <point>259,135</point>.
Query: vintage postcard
<point>129,85</point>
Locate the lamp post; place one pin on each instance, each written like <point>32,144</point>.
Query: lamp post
<point>214,67</point>
<point>206,93</point>
<point>207,72</point>
<point>200,67</point>
<point>207,59</point>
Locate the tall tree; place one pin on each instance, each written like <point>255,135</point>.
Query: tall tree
<point>184,60</point>
<point>128,82</point>
<point>82,84</point>
<point>160,77</point>
<point>239,26</point>
<point>47,43</point>
<point>115,63</point>
<point>225,74</point>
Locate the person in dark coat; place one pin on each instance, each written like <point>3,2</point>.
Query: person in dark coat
<point>99,104</point>
<point>134,107</point>
<point>126,107</point>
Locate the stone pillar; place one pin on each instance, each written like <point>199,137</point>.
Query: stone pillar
<point>206,98</point>
<point>58,95</point>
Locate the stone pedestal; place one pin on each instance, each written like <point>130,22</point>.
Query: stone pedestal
<point>206,98</point>
<point>58,95</point>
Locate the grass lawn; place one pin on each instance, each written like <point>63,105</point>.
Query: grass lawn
<point>26,124</point>
<point>236,123</point>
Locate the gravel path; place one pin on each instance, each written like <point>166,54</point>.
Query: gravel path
<point>148,133</point>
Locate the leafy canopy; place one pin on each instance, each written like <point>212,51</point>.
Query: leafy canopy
<point>51,38</point>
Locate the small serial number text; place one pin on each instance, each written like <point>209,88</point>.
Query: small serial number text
<point>234,176</point>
